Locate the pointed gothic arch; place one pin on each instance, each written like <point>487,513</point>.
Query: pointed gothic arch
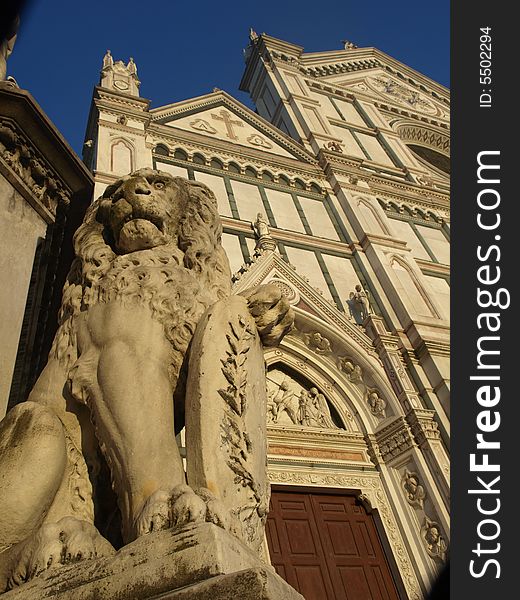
<point>361,201</point>
<point>122,156</point>
<point>395,259</point>
<point>347,386</point>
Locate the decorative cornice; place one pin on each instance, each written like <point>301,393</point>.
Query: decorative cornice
<point>424,136</point>
<point>423,425</point>
<point>411,192</point>
<point>393,109</point>
<point>408,210</point>
<point>33,137</point>
<point>431,268</point>
<point>430,348</point>
<point>243,155</point>
<point>138,104</point>
<point>369,239</point>
<point>332,438</point>
<point>110,107</point>
<point>122,128</point>
<point>343,61</point>
<point>30,171</point>
<point>395,439</point>
<point>283,235</point>
<point>313,453</point>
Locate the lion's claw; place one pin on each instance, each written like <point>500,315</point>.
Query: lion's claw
<point>55,544</point>
<point>178,507</point>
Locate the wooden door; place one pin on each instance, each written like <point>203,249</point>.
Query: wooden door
<point>327,547</point>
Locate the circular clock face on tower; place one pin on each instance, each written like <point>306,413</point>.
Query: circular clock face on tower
<point>121,85</point>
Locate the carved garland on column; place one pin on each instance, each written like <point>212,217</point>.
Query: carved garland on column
<point>236,441</point>
<point>372,490</point>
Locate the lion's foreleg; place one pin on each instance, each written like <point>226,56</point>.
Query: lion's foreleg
<point>133,415</point>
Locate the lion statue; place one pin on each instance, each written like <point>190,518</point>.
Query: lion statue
<point>99,425</point>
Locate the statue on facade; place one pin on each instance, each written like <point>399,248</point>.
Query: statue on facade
<point>108,60</point>
<point>279,401</point>
<point>414,491</point>
<point>322,410</point>
<point>358,304</point>
<point>7,45</point>
<point>305,410</point>
<point>334,146</point>
<point>376,404</point>
<point>348,45</point>
<point>434,542</point>
<point>317,342</point>
<point>149,337</point>
<point>261,228</point>
<point>352,371</point>
<point>132,67</point>
<point>289,403</point>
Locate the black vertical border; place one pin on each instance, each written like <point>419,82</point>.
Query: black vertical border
<point>475,129</point>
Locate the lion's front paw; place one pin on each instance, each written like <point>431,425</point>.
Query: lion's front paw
<point>272,313</point>
<point>181,506</point>
<point>187,507</point>
<point>55,544</point>
<point>174,508</point>
<point>155,514</point>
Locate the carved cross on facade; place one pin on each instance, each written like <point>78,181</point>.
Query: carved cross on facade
<point>229,122</point>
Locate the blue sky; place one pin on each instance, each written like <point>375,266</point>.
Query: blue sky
<point>185,49</point>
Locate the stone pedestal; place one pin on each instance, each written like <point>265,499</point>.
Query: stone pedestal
<point>196,562</point>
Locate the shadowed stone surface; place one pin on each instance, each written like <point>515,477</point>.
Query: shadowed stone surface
<point>158,564</point>
<point>250,584</point>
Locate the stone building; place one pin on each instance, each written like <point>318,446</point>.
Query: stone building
<point>336,189</point>
<point>44,192</point>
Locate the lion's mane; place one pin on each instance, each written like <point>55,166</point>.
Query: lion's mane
<point>177,281</point>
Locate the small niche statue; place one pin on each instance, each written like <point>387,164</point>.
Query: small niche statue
<point>7,45</point>
<point>434,542</point>
<point>263,234</point>
<point>414,491</point>
<point>358,304</point>
<point>261,226</point>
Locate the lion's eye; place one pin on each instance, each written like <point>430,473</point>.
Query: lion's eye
<point>159,185</point>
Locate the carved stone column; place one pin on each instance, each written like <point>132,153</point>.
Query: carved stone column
<point>426,433</point>
<point>387,346</point>
<point>423,427</point>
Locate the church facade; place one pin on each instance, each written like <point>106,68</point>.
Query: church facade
<point>337,191</point>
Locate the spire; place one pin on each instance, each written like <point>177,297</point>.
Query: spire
<point>118,76</point>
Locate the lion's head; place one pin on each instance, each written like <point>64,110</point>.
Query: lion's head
<point>144,209</point>
<point>149,234</point>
